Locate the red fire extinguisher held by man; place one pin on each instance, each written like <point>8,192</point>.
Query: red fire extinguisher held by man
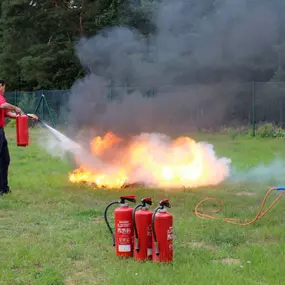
<point>124,231</point>
<point>142,230</point>
<point>162,233</point>
<point>22,130</point>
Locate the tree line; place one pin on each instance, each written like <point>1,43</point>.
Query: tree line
<point>38,39</point>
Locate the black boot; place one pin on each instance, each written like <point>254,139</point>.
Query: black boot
<point>7,191</point>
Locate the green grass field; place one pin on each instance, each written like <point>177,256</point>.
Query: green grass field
<point>53,232</point>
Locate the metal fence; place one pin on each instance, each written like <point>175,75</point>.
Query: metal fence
<point>47,104</point>
<point>206,106</point>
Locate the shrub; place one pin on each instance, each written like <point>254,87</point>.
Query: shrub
<point>11,123</point>
<point>236,131</point>
<point>28,103</point>
<point>266,130</point>
<point>269,130</point>
<point>279,133</point>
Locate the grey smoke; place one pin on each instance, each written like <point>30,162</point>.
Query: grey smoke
<point>262,173</point>
<point>199,50</point>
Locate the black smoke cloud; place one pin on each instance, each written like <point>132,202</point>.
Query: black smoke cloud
<point>199,53</point>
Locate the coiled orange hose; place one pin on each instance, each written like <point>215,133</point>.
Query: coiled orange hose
<point>259,215</point>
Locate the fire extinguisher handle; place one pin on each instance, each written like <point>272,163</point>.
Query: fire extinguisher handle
<point>165,203</point>
<point>145,201</point>
<point>130,198</point>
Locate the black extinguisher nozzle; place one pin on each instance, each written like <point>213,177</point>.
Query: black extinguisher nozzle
<point>156,248</point>
<point>137,245</point>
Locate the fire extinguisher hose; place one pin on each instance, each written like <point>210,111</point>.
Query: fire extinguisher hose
<point>259,215</point>
<point>153,229</point>
<point>135,227</point>
<point>107,222</point>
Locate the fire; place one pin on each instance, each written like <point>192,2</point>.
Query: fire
<point>153,159</point>
<point>84,175</point>
<point>99,145</point>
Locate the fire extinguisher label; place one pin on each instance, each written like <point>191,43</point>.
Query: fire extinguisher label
<point>124,248</point>
<point>170,238</point>
<point>124,233</point>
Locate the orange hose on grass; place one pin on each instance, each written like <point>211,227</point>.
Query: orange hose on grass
<point>259,215</point>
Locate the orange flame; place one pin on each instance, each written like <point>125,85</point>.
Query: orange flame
<point>99,179</point>
<point>99,145</point>
<point>155,160</point>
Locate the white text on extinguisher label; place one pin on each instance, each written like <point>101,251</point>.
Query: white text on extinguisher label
<point>170,233</point>
<point>124,231</point>
<point>170,239</point>
<point>124,227</point>
<point>149,231</point>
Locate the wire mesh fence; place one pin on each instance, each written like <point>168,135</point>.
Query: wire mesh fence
<point>209,106</point>
<point>47,104</point>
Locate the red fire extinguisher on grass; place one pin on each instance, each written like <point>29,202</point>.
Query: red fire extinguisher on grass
<point>124,231</point>
<point>142,230</point>
<point>22,130</point>
<point>162,233</point>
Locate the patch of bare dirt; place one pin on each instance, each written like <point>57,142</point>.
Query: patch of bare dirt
<point>70,282</point>
<point>83,271</point>
<point>268,240</point>
<point>99,220</point>
<point>83,268</point>
<point>17,268</point>
<point>245,193</point>
<point>38,266</point>
<point>228,260</point>
<point>4,214</point>
<point>195,244</point>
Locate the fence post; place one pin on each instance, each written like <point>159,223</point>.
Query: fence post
<point>44,102</point>
<point>43,107</point>
<point>253,109</point>
<point>49,111</point>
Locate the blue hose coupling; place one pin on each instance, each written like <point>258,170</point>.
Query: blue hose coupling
<point>280,188</point>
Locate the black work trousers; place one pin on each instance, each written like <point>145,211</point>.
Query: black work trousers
<point>4,162</point>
